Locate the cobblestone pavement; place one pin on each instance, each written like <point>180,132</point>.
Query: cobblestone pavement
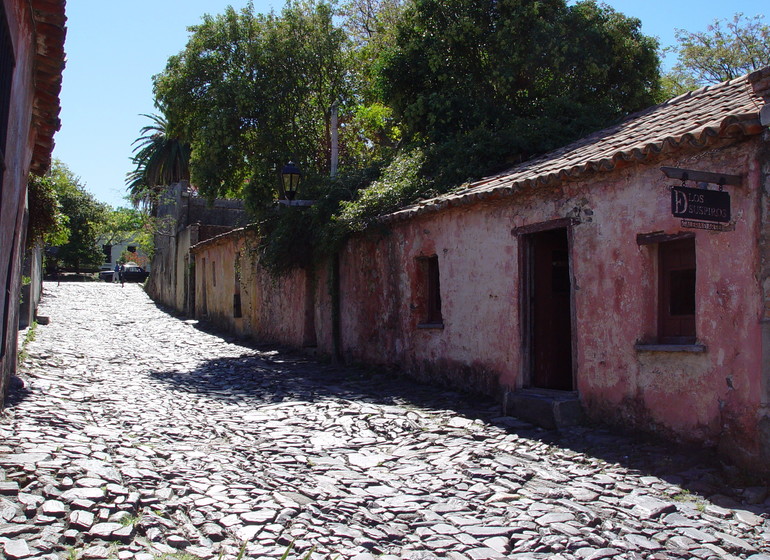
<point>138,435</point>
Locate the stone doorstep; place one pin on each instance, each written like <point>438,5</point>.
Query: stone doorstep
<point>545,408</point>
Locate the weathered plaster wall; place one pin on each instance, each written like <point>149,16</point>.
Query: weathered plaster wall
<point>20,141</point>
<point>184,240</point>
<point>214,277</point>
<point>184,221</point>
<point>162,282</point>
<point>169,279</point>
<point>292,309</point>
<point>709,396</point>
<point>381,309</point>
<point>713,396</point>
<point>220,212</point>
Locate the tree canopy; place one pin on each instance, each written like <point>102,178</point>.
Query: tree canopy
<point>252,91</point>
<point>160,159</point>
<point>726,50</point>
<point>431,93</point>
<point>121,225</point>
<point>85,216</point>
<point>47,224</point>
<point>495,81</point>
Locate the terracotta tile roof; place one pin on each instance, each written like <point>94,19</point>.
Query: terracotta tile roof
<point>697,119</point>
<point>50,33</point>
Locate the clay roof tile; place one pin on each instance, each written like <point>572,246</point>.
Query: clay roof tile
<point>694,119</point>
<point>50,32</point>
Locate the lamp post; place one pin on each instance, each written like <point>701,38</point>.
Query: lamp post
<point>290,179</point>
<point>290,176</point>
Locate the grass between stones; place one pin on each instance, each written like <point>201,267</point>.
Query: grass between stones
<point>29,337</point>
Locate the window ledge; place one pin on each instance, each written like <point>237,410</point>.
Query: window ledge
<point>689,348</point>
<point>430,326</point>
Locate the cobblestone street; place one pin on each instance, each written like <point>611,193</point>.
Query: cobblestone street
<point>138,435</point>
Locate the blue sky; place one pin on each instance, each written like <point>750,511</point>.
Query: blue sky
<point>114,48</point>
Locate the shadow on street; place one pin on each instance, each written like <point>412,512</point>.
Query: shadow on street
<point>265,375</point>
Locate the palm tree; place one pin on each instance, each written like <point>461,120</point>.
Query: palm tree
<point>161,160</point>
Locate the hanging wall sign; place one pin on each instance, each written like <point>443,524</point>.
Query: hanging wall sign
<point>700,204</point>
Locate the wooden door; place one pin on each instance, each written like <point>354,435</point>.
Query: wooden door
<point>551,314</point>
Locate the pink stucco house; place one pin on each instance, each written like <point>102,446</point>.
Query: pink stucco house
<point>629,270</point>
<point>31,62</point>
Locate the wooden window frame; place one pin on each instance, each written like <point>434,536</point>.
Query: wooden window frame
<point>677,304</point>
<point>429,296</point>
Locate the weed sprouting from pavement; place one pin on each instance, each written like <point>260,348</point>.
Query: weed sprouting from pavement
<point>130,520</point>
<point>29,337</point>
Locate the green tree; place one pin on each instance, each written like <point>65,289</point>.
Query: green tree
<point>372,23</point>
<point>371,26</point>
<point>726,50</point>
<point>431,93</point>
<point>253,91</point>
<point>85,216</point>
<point>487,83</point>
<point>47,224</point>
<point>160,159</point>
<point>123,225</point>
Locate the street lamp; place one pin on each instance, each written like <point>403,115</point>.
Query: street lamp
<point>290,176</point>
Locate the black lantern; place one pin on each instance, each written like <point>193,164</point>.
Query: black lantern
<point>290,175</point>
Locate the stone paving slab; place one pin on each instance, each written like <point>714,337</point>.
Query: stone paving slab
<point>138,435</point>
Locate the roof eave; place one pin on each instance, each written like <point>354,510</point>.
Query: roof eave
<point>49,60</point>
<point>732,127</point>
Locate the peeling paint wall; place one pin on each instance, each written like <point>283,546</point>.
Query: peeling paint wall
<point>709,396</point>
<point>292,310</point>
<point>713,396</point>
<point>183,221</point>
<point>382,318</point>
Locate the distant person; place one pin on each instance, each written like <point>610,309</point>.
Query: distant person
<point>116,274</point>
<point>121,272</point>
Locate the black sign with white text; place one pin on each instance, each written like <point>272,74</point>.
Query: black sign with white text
<point>700,204</point>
